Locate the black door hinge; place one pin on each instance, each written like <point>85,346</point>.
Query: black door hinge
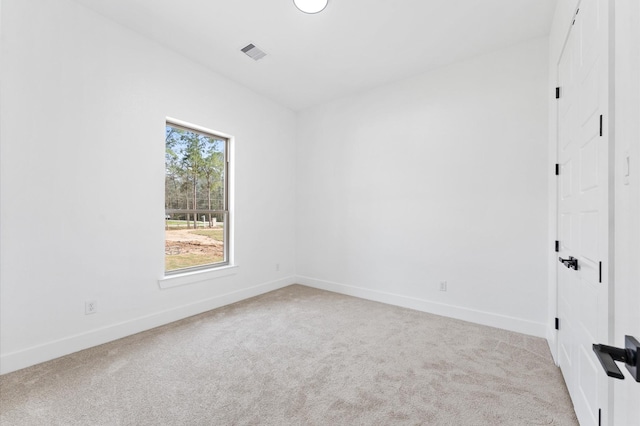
<point>557,93</point>
<point>600,272</point>
<point>600,124</point>
<point>557,169</point>
<point>557,246</point>
<point>557,323</point>
<point>599,416</point>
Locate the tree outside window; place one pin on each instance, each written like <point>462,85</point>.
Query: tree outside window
<point>196,199</point>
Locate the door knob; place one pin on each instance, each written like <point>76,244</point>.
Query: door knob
<point>571,262</point>
<point>630,355</point>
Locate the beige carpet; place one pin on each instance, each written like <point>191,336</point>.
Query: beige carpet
<point>298,356</point>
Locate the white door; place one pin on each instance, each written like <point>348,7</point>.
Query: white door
<point>583,212</point>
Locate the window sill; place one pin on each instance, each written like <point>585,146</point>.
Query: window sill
<point>177,280</point>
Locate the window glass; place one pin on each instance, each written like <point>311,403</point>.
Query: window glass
<point>196,199</point>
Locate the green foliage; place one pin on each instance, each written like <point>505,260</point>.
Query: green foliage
<point>194,170</point>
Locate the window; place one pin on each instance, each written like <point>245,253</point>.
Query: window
<point>196,199</point>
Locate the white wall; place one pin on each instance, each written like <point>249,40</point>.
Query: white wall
<point>82,172</point>
<point>626,314</point>
<point>439,177</point>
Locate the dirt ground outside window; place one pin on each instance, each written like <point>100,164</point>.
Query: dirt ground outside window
<point>193,247</point>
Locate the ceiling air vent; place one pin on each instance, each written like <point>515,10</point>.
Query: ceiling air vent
<point>253,52</point>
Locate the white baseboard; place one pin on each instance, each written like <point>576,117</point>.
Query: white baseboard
<point>553,343</point>
<point>34,355</point>
<point>479,317</point>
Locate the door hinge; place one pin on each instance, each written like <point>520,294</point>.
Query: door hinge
<point>600,272</point>
<point>599,416</point>
<point>557,169</point>
<point>557,92</point>
<point>557,323</point>
<point>557,246</point>
<point>600,124</point>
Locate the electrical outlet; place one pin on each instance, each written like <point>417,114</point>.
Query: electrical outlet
<point>443,286</point>
<point>90,307</point>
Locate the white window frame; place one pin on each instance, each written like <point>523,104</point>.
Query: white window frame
<point>228,267</point>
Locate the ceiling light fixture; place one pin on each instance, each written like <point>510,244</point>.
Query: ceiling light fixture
<point>311,6</point>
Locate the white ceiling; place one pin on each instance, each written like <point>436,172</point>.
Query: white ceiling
<point>351,46</point>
